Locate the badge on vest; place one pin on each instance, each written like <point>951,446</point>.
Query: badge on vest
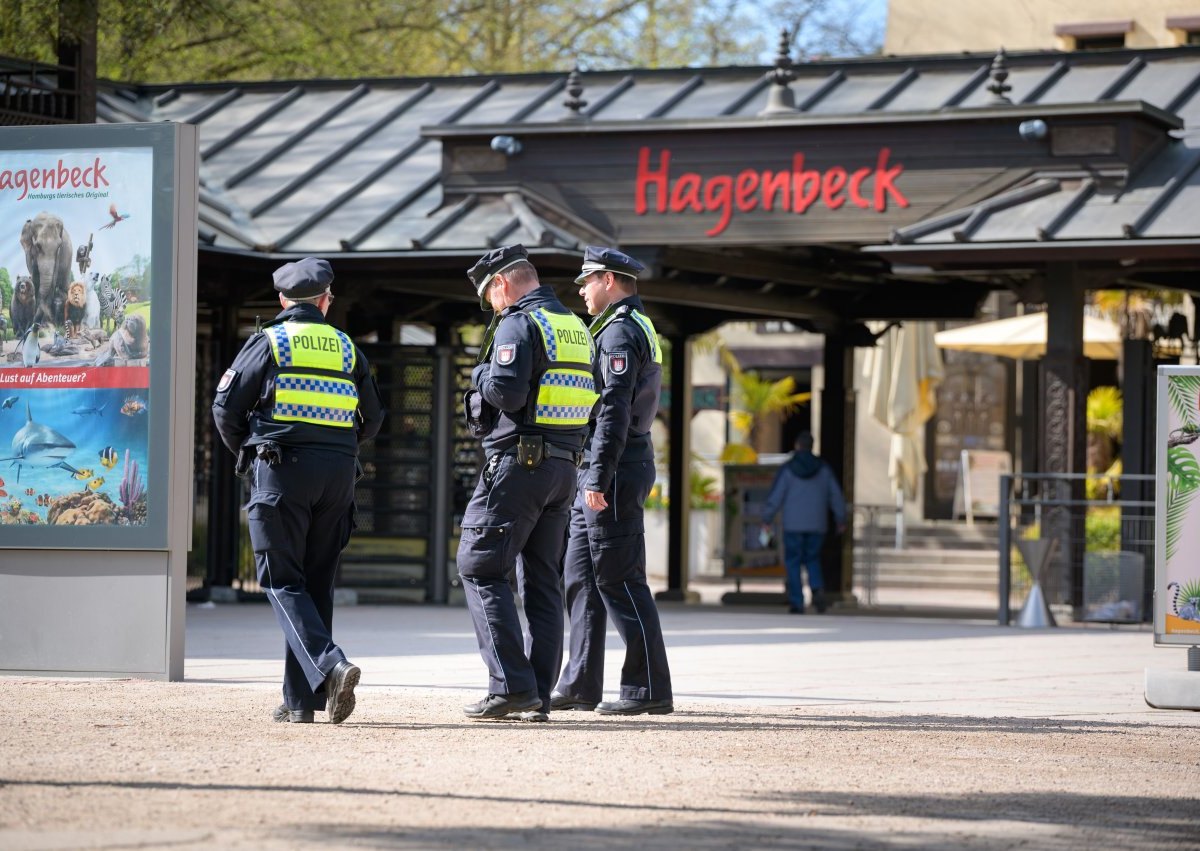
<point>226,380</point>
<point>618,362</point>
<point>506,354</point>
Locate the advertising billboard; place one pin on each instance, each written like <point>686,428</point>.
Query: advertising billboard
<point>1177,493</point>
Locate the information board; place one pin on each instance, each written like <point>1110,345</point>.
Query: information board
<point>1177,510</point>
<point>978,492</point>
<point>749,552</point>
<point>97,377</point>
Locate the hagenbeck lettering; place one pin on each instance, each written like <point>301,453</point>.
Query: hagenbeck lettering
<point>57,177</point>
<point>794,190</point>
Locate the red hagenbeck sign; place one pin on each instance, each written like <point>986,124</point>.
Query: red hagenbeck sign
<point>76,377</point>
<point>795,190</point>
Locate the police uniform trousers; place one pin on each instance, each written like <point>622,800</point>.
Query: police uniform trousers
<point>516,519</point>
<point>605,570</point>
<point>301,514</point>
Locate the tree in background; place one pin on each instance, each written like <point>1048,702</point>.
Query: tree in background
<point>5,288</point>
<point>197,40</point>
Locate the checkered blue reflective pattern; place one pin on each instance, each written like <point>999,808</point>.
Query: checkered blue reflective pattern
<point>314,412</point>
<point>319,385</point>
<point>539,316</point>
<point>283,344</point>
<point>563,412</point>
<point>561,379</point>
<point>347,351</point>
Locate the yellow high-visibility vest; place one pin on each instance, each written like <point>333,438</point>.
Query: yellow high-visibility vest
<point>566,391</point>
<point>313,384</point>
<point>642,321</point>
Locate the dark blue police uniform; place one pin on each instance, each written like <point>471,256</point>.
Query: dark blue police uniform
<point>605,563</point>
<point>302,474</point>
<point>518,513</point>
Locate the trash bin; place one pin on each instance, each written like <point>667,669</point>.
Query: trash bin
<point>1113,586</point>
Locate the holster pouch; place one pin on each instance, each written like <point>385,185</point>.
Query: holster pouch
<point>531,450</point>
<point>270,452</point>
<point>245,456</point>
<point>490,468</point>
<point>481,417</point>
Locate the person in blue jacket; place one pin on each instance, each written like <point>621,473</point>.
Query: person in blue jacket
<point>806,491</point>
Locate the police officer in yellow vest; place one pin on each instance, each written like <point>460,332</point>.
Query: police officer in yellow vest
<point>605,563</point>
<point>294,407</point>
<point>531,397</point>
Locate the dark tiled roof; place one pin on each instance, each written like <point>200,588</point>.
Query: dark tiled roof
<point>333,166</point>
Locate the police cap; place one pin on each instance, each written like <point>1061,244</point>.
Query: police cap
<point>305,278</point>
<point>491,264</point>
<point>597,258</point>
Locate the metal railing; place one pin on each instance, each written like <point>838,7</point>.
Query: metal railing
<point>30,93</point>
<point>868,530</point>
<point>1105,539</point>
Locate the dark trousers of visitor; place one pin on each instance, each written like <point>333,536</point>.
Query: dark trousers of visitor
<point>301,514</point>
<point>604,570</point>
<point>802,550</point>
<point>517,520</point>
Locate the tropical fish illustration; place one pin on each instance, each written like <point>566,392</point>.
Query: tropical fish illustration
<point>84,410</point>
<point>3,493</point>
<point>9,402</point>
<point>85,473</point>
<point>95,484</point>
<point>39,500</point>
<point>133,406</point>
<point>38,445</point>
<point>108,457</point>
<point>29,491</point>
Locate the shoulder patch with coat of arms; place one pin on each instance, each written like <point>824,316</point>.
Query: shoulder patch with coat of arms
<point>618,362</point>
<point>506,354</point>
<point>226,380</point>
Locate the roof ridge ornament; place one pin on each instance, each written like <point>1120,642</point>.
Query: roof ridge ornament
<point>781,100</point>
<point>575,103</point>
<point>998,87</point>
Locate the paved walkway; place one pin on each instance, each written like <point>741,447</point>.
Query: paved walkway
<point>790,732</point>
<point>744,656</point>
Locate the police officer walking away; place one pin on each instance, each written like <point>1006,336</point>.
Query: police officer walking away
<point>531,397</point>
<point>294,407</point>
<point>605,563</point>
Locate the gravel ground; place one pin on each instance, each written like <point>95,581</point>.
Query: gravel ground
<point>198,764</point>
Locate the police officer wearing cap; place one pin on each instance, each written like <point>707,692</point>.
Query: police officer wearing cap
<point>531,397</point>
<point>605,563</point>
<point>294,407</point>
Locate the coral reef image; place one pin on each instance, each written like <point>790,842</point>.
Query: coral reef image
<point>69,458</point>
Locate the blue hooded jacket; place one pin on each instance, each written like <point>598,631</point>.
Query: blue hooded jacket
<point>806,489</point>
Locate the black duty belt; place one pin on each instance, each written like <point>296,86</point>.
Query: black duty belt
<point>575,456</point>
<point>550,450</point>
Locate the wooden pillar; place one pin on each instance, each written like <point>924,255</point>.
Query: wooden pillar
<point>77,54</point>
<point>678,474</point>
<point>837,450</point>
<point>225,489</point>
<point>1064,429</point>
<point>1139,393</point>
<point>442,489</point>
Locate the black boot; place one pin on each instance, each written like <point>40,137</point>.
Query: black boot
<point>819,601</point>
